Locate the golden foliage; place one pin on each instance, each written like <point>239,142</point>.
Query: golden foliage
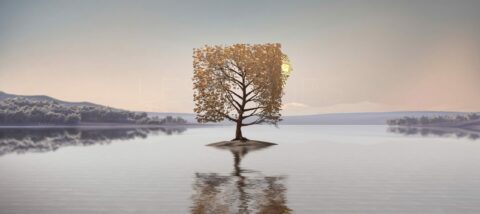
<point>238,82</point>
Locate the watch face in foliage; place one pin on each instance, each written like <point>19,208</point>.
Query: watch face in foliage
<point>242,83</point>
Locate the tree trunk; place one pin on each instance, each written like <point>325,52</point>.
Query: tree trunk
<point>238,132</point>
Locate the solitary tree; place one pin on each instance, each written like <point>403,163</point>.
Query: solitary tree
<point>242,83</point>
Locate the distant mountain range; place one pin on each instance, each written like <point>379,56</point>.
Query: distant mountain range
<point>4,96</point>
<point>363,118</point>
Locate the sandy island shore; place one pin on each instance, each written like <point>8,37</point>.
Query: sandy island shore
<point>236,143</point>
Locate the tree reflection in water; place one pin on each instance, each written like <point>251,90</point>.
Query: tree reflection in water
<point>16,140</point>
<point>439,132</point>
<point>239,193</point>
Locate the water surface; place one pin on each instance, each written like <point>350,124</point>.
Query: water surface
<point>314,169</point>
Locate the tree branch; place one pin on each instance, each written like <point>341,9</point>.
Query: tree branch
<point>251,98</point>
<point>232,78</point>
<point>226,115</point>
<point>233,102</point>
<point>229,62</point>
<point>250,109</point>
<point>234,93</point>
<point>251,114</point>
<point>230,92</point>
<point>257,121</point>
<point>252,91</point>
<point>248,84</point>
<point>239,74</point>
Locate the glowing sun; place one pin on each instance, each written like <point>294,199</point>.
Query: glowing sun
<point>286,67</point>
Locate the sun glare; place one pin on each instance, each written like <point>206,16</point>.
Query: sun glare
<point>286,67</point>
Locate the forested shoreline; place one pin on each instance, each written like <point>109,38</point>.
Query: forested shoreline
<point>21,111</point>
<point>458,120</point>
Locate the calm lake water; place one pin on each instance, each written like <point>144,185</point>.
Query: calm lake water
<point>313,169</point>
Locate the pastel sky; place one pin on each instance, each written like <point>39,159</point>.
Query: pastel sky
<point>348,56</point>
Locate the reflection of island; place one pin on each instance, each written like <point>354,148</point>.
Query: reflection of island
<point>19,141</point>
<point>239,193</point>
<point>440,132</point>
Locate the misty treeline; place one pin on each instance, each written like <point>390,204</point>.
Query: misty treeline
<point>25,111</point>
<point>411,121</point>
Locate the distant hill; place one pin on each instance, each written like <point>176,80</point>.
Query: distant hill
<point>44,110</point>
<point>4,96</point>
<point>365,118</point>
